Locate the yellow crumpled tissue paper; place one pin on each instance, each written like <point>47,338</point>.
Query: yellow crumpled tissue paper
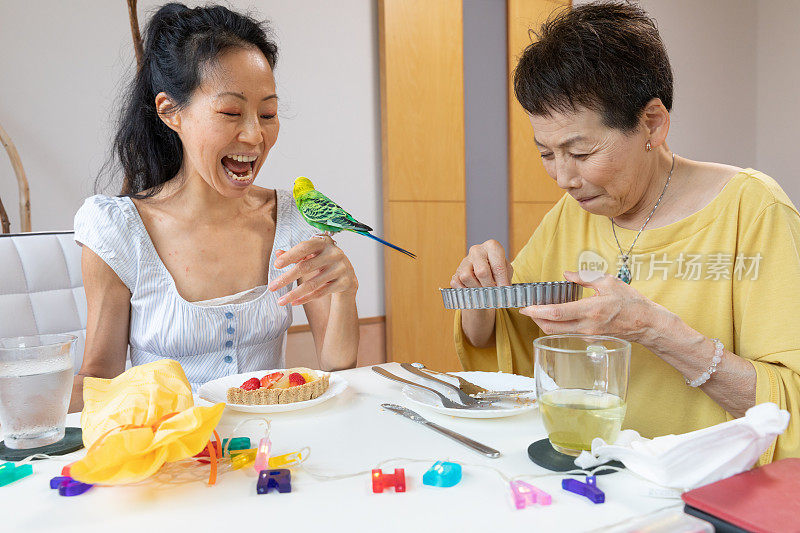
<point>138,421</point>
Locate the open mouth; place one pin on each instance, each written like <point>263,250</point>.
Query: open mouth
<point>239,167</point>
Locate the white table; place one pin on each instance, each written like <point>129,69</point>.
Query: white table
<point>349,433</point>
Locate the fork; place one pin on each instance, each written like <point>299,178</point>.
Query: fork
<point>475,391</point>
<point>466,386</point>
<point>446,402</point>
<point>465,398</point>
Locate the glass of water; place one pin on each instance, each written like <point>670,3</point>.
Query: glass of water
<point>36,375</point>
<point>581,386</point>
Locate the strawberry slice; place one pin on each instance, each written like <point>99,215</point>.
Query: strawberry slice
<point>251,384</point>
<point>295,379</point>
<point>270,379</point>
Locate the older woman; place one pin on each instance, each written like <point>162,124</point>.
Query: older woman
<point>706,256</point>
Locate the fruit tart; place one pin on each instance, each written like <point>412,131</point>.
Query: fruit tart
<point>282,386</point>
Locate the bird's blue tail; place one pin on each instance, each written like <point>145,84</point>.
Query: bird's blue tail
<point>390,245</point>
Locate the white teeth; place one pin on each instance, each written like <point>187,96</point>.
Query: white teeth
<point>246,177</point>
<point>243,158</point>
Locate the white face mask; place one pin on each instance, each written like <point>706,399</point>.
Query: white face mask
<point>697,458</point>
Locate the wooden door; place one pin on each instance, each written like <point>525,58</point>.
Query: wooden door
<point>531,191</point>
<point>422,120</point>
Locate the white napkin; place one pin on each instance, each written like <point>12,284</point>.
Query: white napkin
<point>697,458</point>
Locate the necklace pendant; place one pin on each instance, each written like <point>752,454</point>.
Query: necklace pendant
<point>624,273</point>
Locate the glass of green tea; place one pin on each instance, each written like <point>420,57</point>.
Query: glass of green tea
<point>581,386</point>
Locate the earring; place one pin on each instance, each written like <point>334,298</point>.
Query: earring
<point>647,146</point>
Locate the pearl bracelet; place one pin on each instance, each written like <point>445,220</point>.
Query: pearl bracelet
<point>705,376</point>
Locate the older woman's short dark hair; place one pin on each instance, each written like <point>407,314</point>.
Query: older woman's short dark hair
<point>604,56</point>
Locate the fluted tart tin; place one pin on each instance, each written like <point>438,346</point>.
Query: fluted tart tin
<point>511,296</point>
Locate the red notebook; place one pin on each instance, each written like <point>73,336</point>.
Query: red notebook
<point>765,499</point>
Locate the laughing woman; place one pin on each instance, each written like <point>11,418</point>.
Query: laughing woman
<point>706,255</point>
<point>193,262</point>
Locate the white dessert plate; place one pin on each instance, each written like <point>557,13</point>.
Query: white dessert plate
<point>216,391</point>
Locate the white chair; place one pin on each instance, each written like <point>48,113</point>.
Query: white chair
<point>41,288</point>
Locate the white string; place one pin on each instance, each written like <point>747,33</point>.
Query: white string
<point>503,476</point>
<point>38,456</point>
<point>267,432</point>
<point>334,477</point>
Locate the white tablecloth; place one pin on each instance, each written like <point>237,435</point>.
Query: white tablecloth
<point>349,433</point>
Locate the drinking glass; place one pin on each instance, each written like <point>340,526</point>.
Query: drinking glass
<point>581,386</point>
<point>36,375</point>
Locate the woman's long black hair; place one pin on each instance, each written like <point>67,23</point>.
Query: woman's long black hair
<point>179,42</point>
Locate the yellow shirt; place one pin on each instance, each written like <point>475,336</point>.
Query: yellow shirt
<point>730,270</point>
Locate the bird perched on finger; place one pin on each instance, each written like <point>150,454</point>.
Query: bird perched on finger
<point>324,214</point>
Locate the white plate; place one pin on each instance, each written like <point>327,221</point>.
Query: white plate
<point>216,391</point>
<point>487,380</point>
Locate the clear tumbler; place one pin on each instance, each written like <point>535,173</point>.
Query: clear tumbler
<point>581,386</point>
<point>36,374</point>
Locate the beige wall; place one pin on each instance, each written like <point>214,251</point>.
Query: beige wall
<point>300,349</point>
<point>712,47</point>
<point>778,92</point>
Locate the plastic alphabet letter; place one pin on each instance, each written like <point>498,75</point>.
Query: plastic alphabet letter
<point>262,455</point>
<point>9,473</point>
<point>382,481</point>
<point>525,494</point>
<point>237,444</point>
<point>442,474</point>
<point>289,459</point>
<point>280,479</point>
<point>244,459</point>
<point>588,489</point>
<point>69,487</point>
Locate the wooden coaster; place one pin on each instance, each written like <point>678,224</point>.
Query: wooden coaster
<point>543,454</point>
<point>72,442</point>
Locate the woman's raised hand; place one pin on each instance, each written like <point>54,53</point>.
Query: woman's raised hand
<point>486,265</point>
<point>616,309</point>
<point>321,267</point>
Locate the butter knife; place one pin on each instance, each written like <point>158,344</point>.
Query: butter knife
<point>501,394</point>
<point>461,439</point>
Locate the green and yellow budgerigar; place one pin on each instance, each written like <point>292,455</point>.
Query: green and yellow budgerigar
<point>324,214</point>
